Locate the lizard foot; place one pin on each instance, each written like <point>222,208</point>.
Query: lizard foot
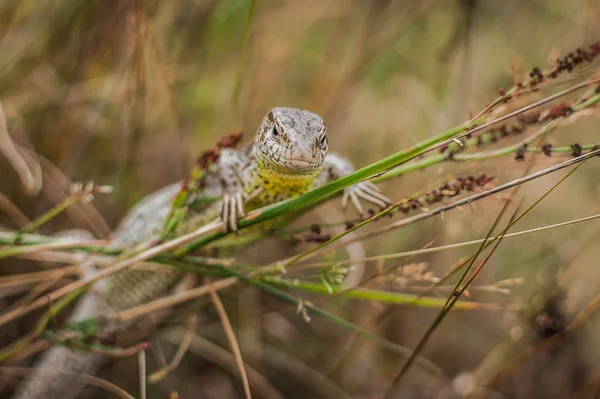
<point>367,191</point>
<point>233,208</point>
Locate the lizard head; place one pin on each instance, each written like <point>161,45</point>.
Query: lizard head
<point>291,140</point>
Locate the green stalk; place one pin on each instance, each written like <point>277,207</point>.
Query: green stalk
<point>47,216</point>
<point>398,298</point>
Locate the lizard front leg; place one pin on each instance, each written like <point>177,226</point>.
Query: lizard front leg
<point>335,167</point>
<point>232,167</point>
<point>210,193</point>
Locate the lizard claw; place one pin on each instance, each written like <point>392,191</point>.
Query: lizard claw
<point>367,191</point>
<point>232,209</point>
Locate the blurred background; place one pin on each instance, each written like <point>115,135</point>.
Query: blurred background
<point>128,93</point>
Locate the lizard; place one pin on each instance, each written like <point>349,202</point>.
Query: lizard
<point>287,158</point>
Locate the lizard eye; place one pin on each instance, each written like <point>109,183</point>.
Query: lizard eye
<point>275,132</point>
<point>323,143</point>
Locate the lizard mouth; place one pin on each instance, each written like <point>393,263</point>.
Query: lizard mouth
<point>288,161</point>
<point>301,164</point>
<point>297,165</point>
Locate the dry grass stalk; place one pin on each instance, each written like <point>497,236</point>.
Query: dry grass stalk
<point>230,336</point>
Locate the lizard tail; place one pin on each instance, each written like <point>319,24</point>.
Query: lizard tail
<point>58,374</point>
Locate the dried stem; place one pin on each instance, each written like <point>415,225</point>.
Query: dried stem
<point>230,336</point>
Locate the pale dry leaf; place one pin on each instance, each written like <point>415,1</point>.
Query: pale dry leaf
<point>31,185</point>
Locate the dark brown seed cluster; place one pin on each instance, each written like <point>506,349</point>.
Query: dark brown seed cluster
<point>491,135</point>
<point>318,238</point>
<point>520,153</point>
<point>547,149</point>
<point>555,111</point>
<point>576,150</point>
<point>501,131</point>
<point>210,156</point>
<point>532,118</point>
<point>315,235</point>
<point>310,237</point>
<point>571,60</point>
<point>445,191</point>
<point>544,114</point>
<point>536,76</point>
<point>231,140</point>
<point>568,63</point>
